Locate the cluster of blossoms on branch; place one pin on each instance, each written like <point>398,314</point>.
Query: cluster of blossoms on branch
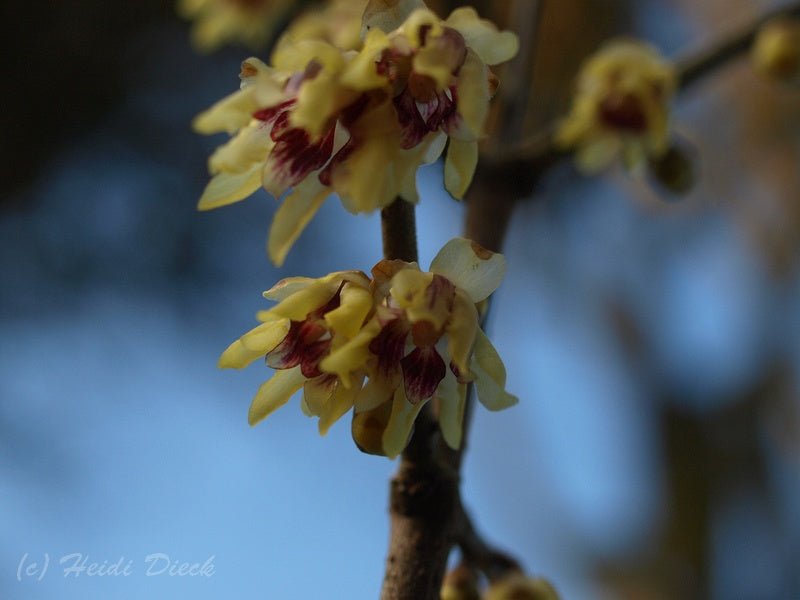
<point>382,346</point>
<point>320,119</point>
<point>621,107</point>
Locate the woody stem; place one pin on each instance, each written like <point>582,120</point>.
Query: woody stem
<point>423,492</point>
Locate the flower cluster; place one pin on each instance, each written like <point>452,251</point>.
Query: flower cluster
<point>217,22</point>
<point>383,346</point>
<point>621,107</point>
<point>321,120</point>
<point>776,51</point>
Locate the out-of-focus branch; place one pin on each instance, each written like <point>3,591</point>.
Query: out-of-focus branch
<point>539,151</point>
<point>696,67</point>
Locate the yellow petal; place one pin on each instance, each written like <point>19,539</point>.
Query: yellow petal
<point>451,397</point>
<point>470,267</point>
<point>275,393</point>
<point>490,375</point>
<point>353,355</point>
<point>473,98</point>
<point>375,392</point>
<point>294,57</point>
<point>435,148</point>
<point>361,72</point>
<point>266,336</point>
<point>319,102</point>
<point>373,174</point>
<point>462,158</point>
<point>421,19</point>
<point>237,356</point>
<point>227,188</point>
<point>461,330</point>
<point>347,319</point>
<point>388,15</point>
<point>297,306</point>
<point>293,215</point>
<point>366,181</point>
<point>286,287</point>
<point>249,147</point>
<point>401,421</point>
<point>229,114</point>
<point>341,402</point>
<point>490,44</point>
<point>317,393</point>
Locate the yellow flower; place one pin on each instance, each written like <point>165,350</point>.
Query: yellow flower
<point>322,120</point>
<point>337,22</point>
<point>621,107</point>
<point>424,343</point>
<point>776,51</point>
<point>312,317</point>
<point>218,22</point>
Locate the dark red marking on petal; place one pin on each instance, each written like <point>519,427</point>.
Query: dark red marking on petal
<point>289,353</point>
<point>438,113</point>
<point>294,156</point>
<point>441,290</point>
<point>623,111</point>
<point>268,115</point>
<point>311,356</point>
<point>390,346</point>
<point>412,124</point>
<point>423,370</point>
<point>307,341</point>
<point>354,110</point>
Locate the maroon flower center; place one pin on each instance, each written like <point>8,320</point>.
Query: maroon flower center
<point>623,111</point>
<point>307,342</point>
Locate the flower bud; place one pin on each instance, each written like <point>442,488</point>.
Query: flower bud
<point>674,170</point>
<point>368,428</point>
<point>520,587</point>
<point>776,51</point>
<point>460,584</point>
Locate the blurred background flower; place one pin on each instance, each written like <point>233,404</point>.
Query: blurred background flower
<point>655,346</point>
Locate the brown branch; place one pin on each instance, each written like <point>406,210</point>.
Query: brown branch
<point>694,68</point>
<point>423,492</point>
<point>539,151</point>
<point>399,230</point>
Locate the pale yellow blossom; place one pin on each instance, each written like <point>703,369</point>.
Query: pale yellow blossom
<point>219,22</point>
<point>312,317</point>
<point>320,120</point>
<point>424,343</point>
<point>621,107</point>
<point>776,51</point>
